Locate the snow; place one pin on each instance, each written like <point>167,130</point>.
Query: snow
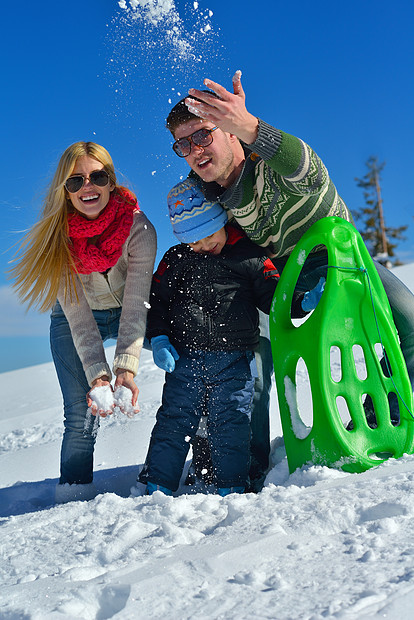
<point>299,428</point>
<point>141,33</point>
<point>102,398</point>
<point>105,402</point>
<point>163,17</point>
<point>319,543</point>
<point>123,401</point>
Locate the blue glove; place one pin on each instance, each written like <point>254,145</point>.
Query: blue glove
<point>163,353</point>
<point>311,298</point>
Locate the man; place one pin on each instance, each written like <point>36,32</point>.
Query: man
<point>275,187</point>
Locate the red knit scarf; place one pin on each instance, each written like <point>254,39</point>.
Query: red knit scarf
<point>113,226</point>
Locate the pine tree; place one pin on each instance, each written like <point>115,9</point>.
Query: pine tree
<point>374,231</point>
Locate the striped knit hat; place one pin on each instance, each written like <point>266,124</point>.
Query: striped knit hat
<point>192,216</point>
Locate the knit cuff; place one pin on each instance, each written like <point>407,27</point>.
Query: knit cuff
<point>126,362</point>
<point>97,370</point>
<point>267,142</point>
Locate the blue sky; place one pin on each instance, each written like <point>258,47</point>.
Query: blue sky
<point>337,75</point>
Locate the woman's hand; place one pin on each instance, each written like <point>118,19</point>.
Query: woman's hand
<point>125,378</point>
<point>103,409</point>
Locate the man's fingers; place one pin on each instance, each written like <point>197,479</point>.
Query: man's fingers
<point>237,85</point>
<point>196,108</point>
<point>207,98</point>
<point>217,88</point>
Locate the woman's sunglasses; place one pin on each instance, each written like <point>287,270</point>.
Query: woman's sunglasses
<point>201,137</point>
<point>100,178</point>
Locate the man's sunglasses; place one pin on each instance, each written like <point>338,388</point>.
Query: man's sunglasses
<point>201,137</point>
<point>100,178</point>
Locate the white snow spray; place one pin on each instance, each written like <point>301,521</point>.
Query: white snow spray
<point>158,53</point>
<point>161,18</point>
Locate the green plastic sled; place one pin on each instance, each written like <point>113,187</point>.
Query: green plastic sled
<point>352,315</point>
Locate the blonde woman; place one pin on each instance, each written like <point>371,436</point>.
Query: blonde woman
<point>89,259</point>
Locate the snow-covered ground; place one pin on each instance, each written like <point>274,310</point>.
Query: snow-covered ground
<point>316,544</point>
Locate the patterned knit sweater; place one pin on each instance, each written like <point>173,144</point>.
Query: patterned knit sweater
<point>281,191</point>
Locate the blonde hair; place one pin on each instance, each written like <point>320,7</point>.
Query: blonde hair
<point>43,259</point>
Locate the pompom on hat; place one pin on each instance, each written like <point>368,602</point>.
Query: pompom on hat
<point>192,216</point>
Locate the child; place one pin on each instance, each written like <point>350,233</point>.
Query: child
<point>203,328</point>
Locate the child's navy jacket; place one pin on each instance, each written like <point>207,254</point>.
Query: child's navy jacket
<point>209,303</point>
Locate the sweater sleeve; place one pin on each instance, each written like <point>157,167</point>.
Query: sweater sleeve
<point>299,167</point>
<point>85,333</point>
<point>142,248</point>
<point>265,281</point>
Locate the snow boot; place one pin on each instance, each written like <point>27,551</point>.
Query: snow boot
<point>256,484</point>
<point>74,492</point>
<point>257,475</point>
<point>223,491</point>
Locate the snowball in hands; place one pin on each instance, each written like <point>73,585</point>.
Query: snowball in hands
<point>123,400</point>
<point>104,401</point>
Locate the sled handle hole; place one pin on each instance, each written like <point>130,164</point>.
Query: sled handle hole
<point>383,359</point>
<point>335,363</point>
<point>369,411</point>
<point>343,411</point>
<point>299,399</point>
<point>395,418</point>
<point>359,361</point>
<point>381,456</point>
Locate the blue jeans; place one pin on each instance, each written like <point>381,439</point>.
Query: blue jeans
<point>76,459</point>
<point>219,383</point>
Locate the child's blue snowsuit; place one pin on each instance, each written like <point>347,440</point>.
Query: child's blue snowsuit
<point>220,382</point>
<point>207,306</point>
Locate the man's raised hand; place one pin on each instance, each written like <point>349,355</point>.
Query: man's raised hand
<point>228,111</point>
